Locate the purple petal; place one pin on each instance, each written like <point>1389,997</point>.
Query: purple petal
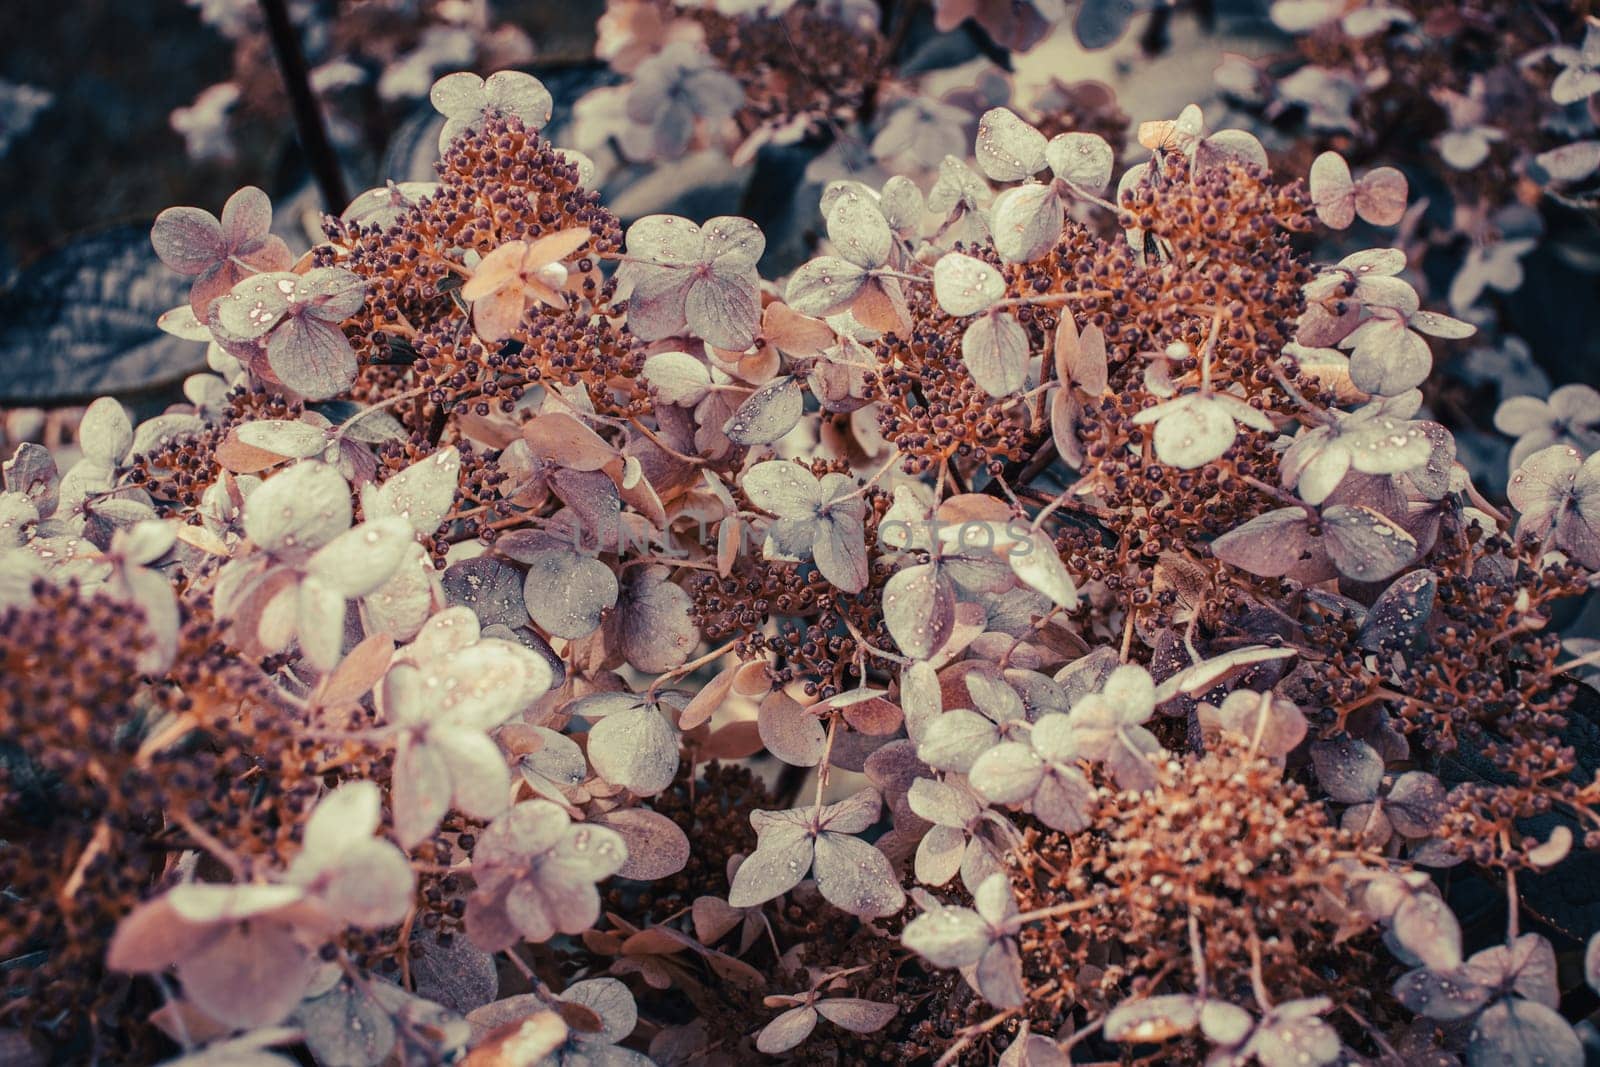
<point>188,239</point>
<point>246,219</point>
<point>311,357</point>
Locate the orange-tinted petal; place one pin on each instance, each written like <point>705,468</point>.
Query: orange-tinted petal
<point>554,247</point>
<point>497,270</point>
<point>497,315</point>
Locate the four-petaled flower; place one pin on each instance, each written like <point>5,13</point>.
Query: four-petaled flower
<point>1571,416</point>
<point>671,91</point>
<point>220,253</point>
<point>465,100</point>
<point>536,872</point>
<point>820,519</point>
<point>246,952</point>
<point>851,874</point>
<point>1580,68</point>
<point>981,940</point>
<point>299,315</point>
<point>696,278</point>
<point>444,693</point>
<point>516,273</point>
<point>1557,492</point>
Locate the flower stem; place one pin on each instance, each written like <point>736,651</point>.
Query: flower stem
<point>310,128</point>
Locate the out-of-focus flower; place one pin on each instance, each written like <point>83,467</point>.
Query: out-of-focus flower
<point>1470,139</point>
<point>203,125</point>
<point>1014,26</point>
<point>1580,68</point>
<point>338,74</point>
<point>1557,492</point>
<point>1495,266</point>
<point>921,132</point>
<point>671,91</point>
<point>231,18</point>
<point>1509,367</point>
<point>1329,97</point>
<point>631,31</point>
<point>20,105</point>
<point>1571,416</point>
<point>412,74</point>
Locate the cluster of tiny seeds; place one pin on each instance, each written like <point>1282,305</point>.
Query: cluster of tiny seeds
<point>368,35</point>
<point>1177,509</point>
<point>1481,822</point>
<point>66,713</point>
<point>1227,266</point>
<point>803,63</point>
<point>1339,678</point>
<point>1487,667</point>
<point>711,804</point>
<point>934,1004</point>
<point>930,407</point>
<point>499,183</point>
<point>179,470</point>
<point>1223,842</point>
<point>89,819</point>
<point>788,614</point>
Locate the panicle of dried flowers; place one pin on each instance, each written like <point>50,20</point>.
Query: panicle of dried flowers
<point>1106,538</point>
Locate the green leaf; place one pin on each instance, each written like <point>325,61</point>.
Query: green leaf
<point>81,323</point>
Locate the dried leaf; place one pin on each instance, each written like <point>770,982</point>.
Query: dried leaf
<point>787,1031</point>
<point>1522,1033</point>
<point>657,848</point>
<point>965,286</point>
<point>855,877</point>
<point>791,732</point>
<point>856,1015</point>
<point>919,609</point>
<point>1039,565</point>
<point>994,350</point>
<point>566,593</point>
<point>1349,770</point>
<point>767,414</point>
<point>1364,544</point>
<point>1026,221</point>
<point>1084,159</point>
<point>654,626</point>
<point>562,439</point>
<point>636,749</point>
<point>300,508</point>
<point>677,377</point>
